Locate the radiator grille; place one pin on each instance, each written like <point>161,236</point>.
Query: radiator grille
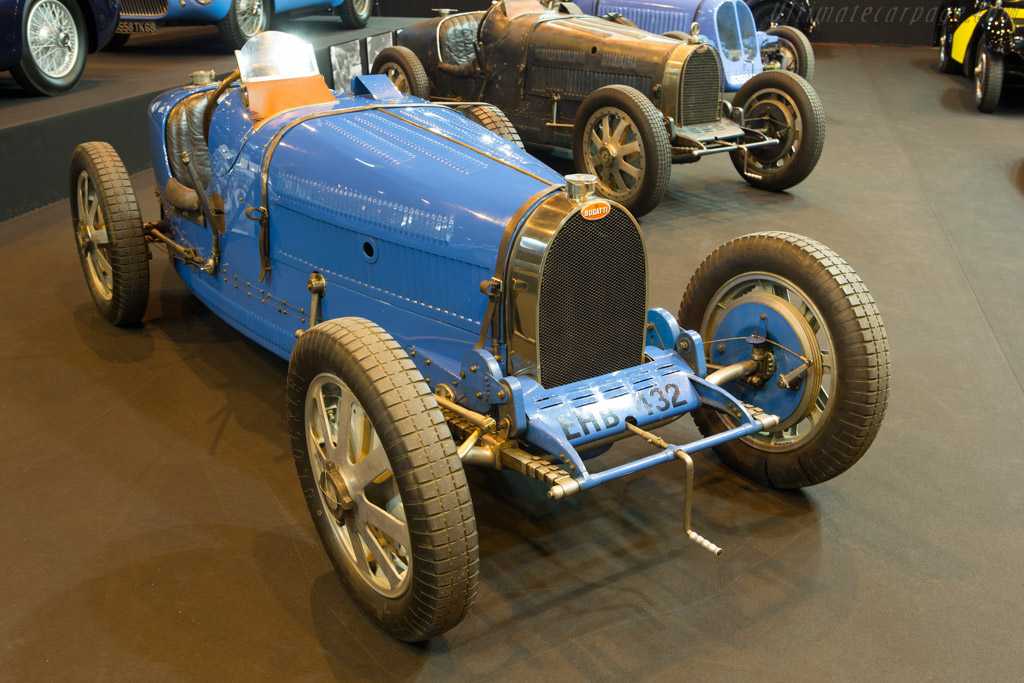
<point>143,8</point>
<point>593,299</point>
<point>701,89</point>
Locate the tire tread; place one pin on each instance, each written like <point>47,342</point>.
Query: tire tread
<point>129,254</point>
<point>802,44</point>
<point>493,119</point>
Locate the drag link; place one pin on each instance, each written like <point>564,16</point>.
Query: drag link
<point>484,422</point>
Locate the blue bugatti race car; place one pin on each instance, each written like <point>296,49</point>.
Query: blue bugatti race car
<point>445,300</point>
<point>729,25</point>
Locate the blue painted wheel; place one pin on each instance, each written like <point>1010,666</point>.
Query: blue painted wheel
<point>810,307</point>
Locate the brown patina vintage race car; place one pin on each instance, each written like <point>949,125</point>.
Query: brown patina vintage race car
<point>627,102</point>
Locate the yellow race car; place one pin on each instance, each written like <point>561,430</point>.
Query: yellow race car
<point>986,40</point>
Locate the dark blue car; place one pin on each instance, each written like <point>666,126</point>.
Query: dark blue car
<point>238,20</point>
<point>45,41</point>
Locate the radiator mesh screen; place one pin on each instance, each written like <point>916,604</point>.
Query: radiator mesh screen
<point>701,88</point>
<point>593,299</point>
<point>143,8</point>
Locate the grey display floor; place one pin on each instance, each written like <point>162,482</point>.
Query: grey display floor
<point>153,529</point>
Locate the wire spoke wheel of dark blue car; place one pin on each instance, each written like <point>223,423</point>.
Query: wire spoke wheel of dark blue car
<point>355,13</point>
<point>784,106</point>
<point>816,308</point>
<point>381,478</point>
<point>55,45</point>
<point>244,19</point>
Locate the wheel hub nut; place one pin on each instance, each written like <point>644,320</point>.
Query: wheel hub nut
<point>336,492</point>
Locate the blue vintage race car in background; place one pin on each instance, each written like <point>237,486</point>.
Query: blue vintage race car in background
<point>238,20</point>
<point>44,42</point>
<point>446,300</point>
<point>729,25</point>
<point>795,13</point>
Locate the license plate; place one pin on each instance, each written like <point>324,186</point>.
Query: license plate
<point>136,27</point>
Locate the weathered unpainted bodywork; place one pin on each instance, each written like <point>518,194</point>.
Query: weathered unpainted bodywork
<point>539,65</point>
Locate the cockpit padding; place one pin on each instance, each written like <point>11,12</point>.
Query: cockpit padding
<point>185,134</point>
<point>457,37</point>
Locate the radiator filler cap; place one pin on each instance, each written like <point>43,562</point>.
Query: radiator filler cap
<point>580,187</point>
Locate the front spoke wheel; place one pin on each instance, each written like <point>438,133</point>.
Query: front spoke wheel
<point>381,477</point>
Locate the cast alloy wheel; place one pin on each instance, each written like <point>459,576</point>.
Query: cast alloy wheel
<point>790,60</point>
<point>614,153</point>
<point>355,482</point>
<point>619,136</point>
<point>988,79</point>
<point>394,72</point>
<point>775,114</point>
<point>815,339</point>
<point>403,67</point>
<point>381,477</point>
<point>946,63</point>
<point>52,38</point>
<point>91,235</point>
<point>354,13</point>
<point>109,233</point>
<point>796,49</point>
<point>980,71</point>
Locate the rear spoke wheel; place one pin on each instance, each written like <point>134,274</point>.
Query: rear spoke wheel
<point>109,233</point>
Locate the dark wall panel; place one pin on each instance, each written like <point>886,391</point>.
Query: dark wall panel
<point>424,8</point>
<point>36,155</point>
<point>890,22</point>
